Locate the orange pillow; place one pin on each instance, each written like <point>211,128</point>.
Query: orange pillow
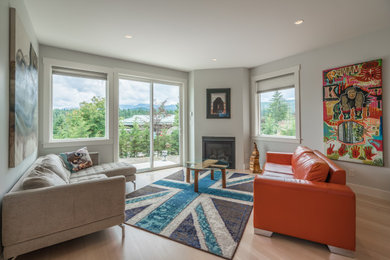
<point>298,152</point>
<point>310,167</point>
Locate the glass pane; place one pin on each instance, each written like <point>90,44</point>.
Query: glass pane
<point>134,123</point>
<point>277,112</point>
<point>79,107</point>
<point>166,124</point>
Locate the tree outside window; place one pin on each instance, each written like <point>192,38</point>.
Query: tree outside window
<point>277,112</point>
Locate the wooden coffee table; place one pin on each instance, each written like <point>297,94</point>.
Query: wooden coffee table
<point>205,165</point>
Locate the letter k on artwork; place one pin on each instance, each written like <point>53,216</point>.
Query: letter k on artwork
<point>329,92</point>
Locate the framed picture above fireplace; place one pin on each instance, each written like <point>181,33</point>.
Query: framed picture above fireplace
<point>218,103</point>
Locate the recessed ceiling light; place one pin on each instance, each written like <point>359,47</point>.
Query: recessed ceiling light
<point>214,59</point>
<point>298,22</point>
<point>127,36</point>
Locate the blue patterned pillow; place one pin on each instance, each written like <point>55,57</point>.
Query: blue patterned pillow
<point>77,160</point>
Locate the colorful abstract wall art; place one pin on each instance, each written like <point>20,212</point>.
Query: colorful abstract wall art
<point>352,103</point>
<point>23,93</point>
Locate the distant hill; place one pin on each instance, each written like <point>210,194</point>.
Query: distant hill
<point>146,107</point>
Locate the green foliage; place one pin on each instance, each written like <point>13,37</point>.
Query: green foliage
<point>278,108</point>
<point>269,126</point>
<point>277,120</point>
<point>134,141</point>
<point>127,113</point>
<point>175,136</point>
<point>290,130</point>
<point>86,122</point>
<point>162,141</point>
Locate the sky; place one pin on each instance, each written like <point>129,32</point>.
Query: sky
<point>69,92</point>
<point>136,92</point>
<point>288,94</point>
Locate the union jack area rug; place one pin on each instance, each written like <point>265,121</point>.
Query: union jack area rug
<point>212,219</point>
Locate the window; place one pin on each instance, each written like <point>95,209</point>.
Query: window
<point>276,101</point>
<point>149,123</point>
<point>277,112</point>
<point>78,105</point>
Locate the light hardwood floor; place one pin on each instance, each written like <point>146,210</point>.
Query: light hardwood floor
<point>373,239</point>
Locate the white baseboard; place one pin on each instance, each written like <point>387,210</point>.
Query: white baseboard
<point>376,193</point>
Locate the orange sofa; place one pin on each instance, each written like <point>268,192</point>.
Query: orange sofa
<point>303,194</point>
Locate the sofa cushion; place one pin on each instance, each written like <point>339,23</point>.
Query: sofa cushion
<point>54,163</point>
<point>276,174</point>
<point>298,152</point>
<point>278,168</point>
<point>40,177</point>
<point>88,178</point>
<point>77,160</point>
<point>109,169</point>
<point>311,167</point>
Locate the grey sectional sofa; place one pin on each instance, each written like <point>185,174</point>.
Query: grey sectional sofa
<point>49,204</point>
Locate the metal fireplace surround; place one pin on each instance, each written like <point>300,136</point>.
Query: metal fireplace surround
<point>220,148</point>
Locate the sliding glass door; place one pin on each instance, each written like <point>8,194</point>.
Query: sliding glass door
<point>166,124</point>
<point>134,122</point>
<point>149,123</point>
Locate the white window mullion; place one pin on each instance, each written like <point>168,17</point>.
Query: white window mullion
<point>151,113</point>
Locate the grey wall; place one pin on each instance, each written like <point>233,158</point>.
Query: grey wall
<point>237,126</point>
<point>8,176</point>
<point>106,152</point>
<point>363,48</point>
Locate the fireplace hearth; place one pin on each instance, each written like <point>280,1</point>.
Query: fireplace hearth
<point>220,148</point>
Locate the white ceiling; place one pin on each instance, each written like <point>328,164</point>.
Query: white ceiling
<point>187,34</point>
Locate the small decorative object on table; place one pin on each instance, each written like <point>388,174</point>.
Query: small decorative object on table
<point>254,165</point>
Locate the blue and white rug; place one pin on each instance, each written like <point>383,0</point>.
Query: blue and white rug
<point>212,220</point>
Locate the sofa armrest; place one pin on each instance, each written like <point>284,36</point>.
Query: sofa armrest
<point>34,213</point>
<point>317,211</point>
<point>280,158</point>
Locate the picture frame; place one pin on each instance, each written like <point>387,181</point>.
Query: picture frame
<point>23,93</point>
<point>353,113</point>
<point>218,103</point>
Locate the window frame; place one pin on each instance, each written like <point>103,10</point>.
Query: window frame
<point>151,79</point>
<point>256,134</point>
<point>48,141</point>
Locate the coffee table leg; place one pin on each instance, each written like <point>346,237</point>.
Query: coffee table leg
<point>212,175</point>
<point>196,181</point>
<point>188,175</point>
<point>223,178</point>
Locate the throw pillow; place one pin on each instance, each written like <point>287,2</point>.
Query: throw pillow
<point>40,177</point>
<point>310,167</point>
<point>77,160</point>
<point>298,152</point>
<point>54,163</point>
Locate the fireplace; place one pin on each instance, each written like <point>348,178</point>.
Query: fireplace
<point>219,148</point>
